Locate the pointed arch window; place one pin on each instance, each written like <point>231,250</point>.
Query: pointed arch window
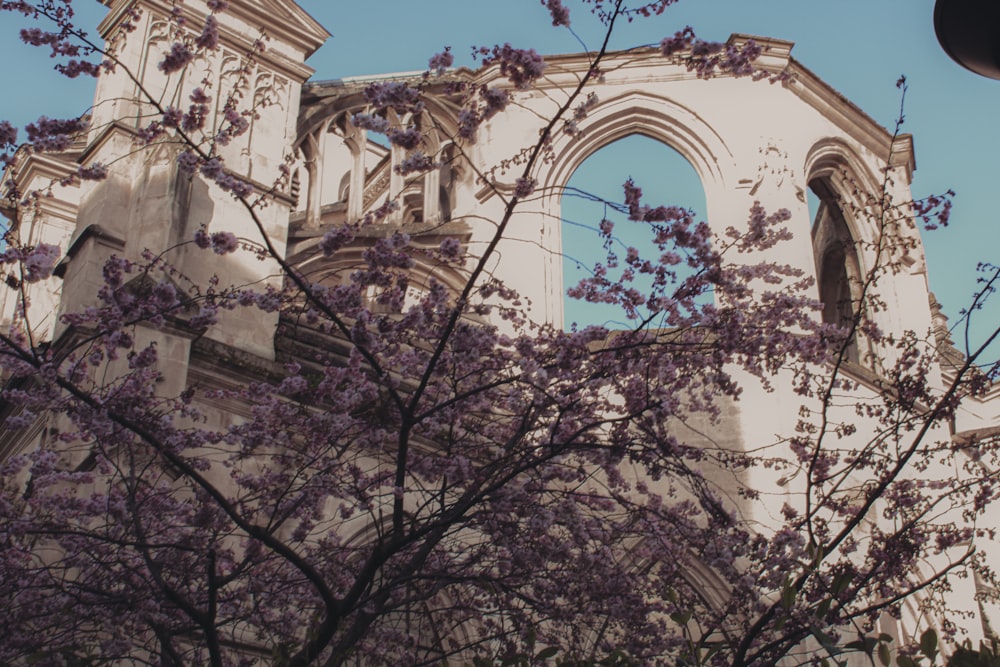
<point>839,275</point>
<point>665,175</point>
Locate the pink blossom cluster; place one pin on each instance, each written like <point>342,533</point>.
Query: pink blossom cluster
<point>184,49</point>
<point>934,211</point>
<point>407,138</point>
<point>654,8</point>
<point>188,162</point>
<point>395,95</point>
<point>606,10</point>
<point>177,58</point>
<point>170,118</point>
<point>92,172</point>
<point>36,262</point>
<point>486,103</point>
<point>209,37</point>
<point>214,169</point>
<point>235,124</point>
<point>371,122</point>
<point>559,12</point>
<point>709,59</point>
<point>416,162</point>
<point>380,213</point>
<point>8,135</point>
<point>222,243</point>
<point>240,188</point>
<point>571,125</point>
<point>64,40</point>
<point>54,135</point>
<point>762,230</point>
<point>523,187</point>
<point>450,248</point>
<point>521,66</point>
<point>440,62</point>
<point>336,238</point>
<point>198,112</point>
<point>8,143</point>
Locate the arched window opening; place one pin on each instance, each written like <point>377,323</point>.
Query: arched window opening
<point>444,201</point>
<point>446,189</point>
<point>595,192</point>
<point>838,270</point>
<point>413,203</point>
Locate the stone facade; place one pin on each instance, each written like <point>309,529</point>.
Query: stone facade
<point>748,141</point>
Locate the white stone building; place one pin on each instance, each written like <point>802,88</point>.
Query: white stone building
<point>748,141</point>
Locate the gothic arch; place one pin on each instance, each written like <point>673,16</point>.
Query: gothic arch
<point>367,165</point>
<point>331,271</point>
<point>319,114</point>
<point>653,116</point>
<point>656,117</point>
<point>833,161</point>
<point>665,177</point>
<point>840,231</point>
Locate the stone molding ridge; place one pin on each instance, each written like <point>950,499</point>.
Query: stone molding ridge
<point>777,52</point>
<point>903,155</point>
<point>88,232</point>
<point>842,112</point>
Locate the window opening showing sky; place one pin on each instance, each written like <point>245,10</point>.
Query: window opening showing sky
<point>666,178</point>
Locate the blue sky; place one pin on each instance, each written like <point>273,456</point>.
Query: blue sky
<point>860,47</point>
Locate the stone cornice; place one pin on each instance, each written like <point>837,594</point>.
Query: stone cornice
<point>51,169</point>
<point>89,232</point>
<point>851,119</point>
<point>776,59</point>
<point>106,133</point>
<point>325,99</point>
<point>286,23</point>
<point>567,68</point>
<point>46,165</point>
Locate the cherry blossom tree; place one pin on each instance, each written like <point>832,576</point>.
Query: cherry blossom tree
<point>443,479</point>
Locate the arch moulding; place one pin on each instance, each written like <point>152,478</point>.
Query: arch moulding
<point>653,116</point>
<point>851,179</point>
